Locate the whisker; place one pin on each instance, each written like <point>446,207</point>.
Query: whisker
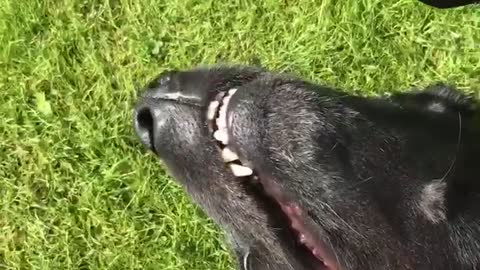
<point>459,140</point>
<point>343,221</point>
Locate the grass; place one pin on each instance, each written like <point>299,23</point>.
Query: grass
<point>77,191</point>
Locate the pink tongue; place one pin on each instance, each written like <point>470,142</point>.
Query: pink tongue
<point>294,213</point>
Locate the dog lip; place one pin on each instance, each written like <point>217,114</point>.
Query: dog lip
<point>301,223</point>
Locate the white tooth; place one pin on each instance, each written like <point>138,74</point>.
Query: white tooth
<point>228,155</point>
<point>219,123</point>
<point>221,136</point>
<point>302,238</point>
<point>212,109</point>
<point>232,91</point>
<point>240,171</point>
<point>222,117</point>
<point>226,100</point>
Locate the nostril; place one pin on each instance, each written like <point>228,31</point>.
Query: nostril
<point>144,124</point>
<point>145,119</point>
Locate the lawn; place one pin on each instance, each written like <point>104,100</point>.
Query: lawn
<point>77,190</point>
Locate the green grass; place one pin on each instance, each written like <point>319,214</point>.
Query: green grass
<point>77,191</point>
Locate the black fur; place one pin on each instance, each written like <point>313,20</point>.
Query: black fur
<point>448,3</point>
<point>357,166</point>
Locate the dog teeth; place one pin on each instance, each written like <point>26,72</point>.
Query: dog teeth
<point>228,155</point>
<point>226,99</point>
<point>222,118</point>
<point>240,171</point>
<point>302,238</point>
<point>212,109</point>
<point>221,136</point>
<point>232,91</point>
<point>222,114</point>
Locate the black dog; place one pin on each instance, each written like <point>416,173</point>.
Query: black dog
<point>302,176</point>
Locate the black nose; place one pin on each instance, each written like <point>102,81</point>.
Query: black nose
<point>168,89</point>
<point>143,121</point>
<point>147,116</point>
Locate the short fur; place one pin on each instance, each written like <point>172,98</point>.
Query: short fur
<point>388,183</point>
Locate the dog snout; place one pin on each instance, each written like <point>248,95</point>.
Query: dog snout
<point>149,113</point>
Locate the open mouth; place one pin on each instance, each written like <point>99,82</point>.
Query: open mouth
<point>316,249</point>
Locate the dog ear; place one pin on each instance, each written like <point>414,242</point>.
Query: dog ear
<point>440,101</point>
<point>438,98</point>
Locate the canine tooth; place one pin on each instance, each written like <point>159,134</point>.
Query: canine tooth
<point>221,136</point>
<point>212,109</point>
<point>228,155</point>
<point>302,238</point>
<point>226,99</point>
<point>240,171</point>
<point>232,91</point>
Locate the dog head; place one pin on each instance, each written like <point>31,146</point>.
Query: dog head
<point>302,176</point>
